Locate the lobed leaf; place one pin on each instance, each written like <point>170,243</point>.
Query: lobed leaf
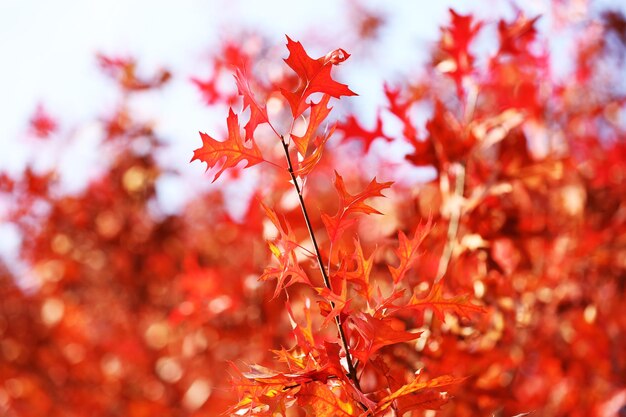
<point>352,129</point>
<point>320,400</point>
<point>319,112</point>
<point>407,250</point>
<point>436,301</point>
<point>229,152</point>
<point>418,394</point>
<point>377,333</point>
<point>314,76</point>
<point>350,204</point>
<point>258,113</point>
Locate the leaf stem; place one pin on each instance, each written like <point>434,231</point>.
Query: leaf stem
<point>344,340</point>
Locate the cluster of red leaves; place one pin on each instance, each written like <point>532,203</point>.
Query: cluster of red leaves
<point>366,311</point>
<point>495,289</point>
<point>529,189</point>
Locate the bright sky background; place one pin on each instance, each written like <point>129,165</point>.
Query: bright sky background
<point>48,48</point>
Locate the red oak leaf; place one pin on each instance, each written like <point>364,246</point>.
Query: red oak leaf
<point>408,250</point>
<point>377,333</point>
<point>319,112</point>
<point>436,301</point>
<point>42,124</point>
<point>361,274</point>
<point>352,129</point>
<point>263,391</point>
<point>310,162</point>
<point>351,204</point>
<point>288,271</point>
<point>303,333</point>
<point>258,113</point>
<point>314,76</point>
<point>400,108</point>
<point>231,151</point>
<point>516,37</point>
<point>446,140</point>
<point>208,89</point>
<point>335,304</point>
<point>418,395</point>
<point>455,41</point>
<point>318,399</point>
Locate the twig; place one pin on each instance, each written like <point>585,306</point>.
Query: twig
<point>453,226</point>
<point>344,341</point>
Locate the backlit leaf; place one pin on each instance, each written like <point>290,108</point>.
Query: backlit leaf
<point>229,152</point>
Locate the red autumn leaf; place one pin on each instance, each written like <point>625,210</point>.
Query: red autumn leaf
<point>351,204</point>
<point>42,124</point>
<point>516,37</point>
<point>319,112</point>
<point>407,250</point>
<point>288,271</point>
<point>314,75</point>
<point>304,334</point>
<point>262,391</point>
<point>309,163</point>
<point>436,301</point>
<point>318,399</point>
<point>124,71</point>
<point>400,109</point>
<point>363,269</point>
<point>377,333</point>
<point>455,41</point>
<point>352,129</point>
<point>229,152</point>
<point>385,305</point>
<point>334,303</point>
<point>411,394</point>
<point>208,89</point>
<point>258,113</point>
<point>446,140</point>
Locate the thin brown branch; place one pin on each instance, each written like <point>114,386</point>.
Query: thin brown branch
<point>344,340</point>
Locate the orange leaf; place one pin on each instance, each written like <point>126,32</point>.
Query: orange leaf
<point>412,391</point>
<point>350,204</point>
<point>288,265</point>
<point>231,151</point>
<point>318,399</point>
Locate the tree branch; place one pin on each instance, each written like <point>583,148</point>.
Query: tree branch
<point>344,341</point>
